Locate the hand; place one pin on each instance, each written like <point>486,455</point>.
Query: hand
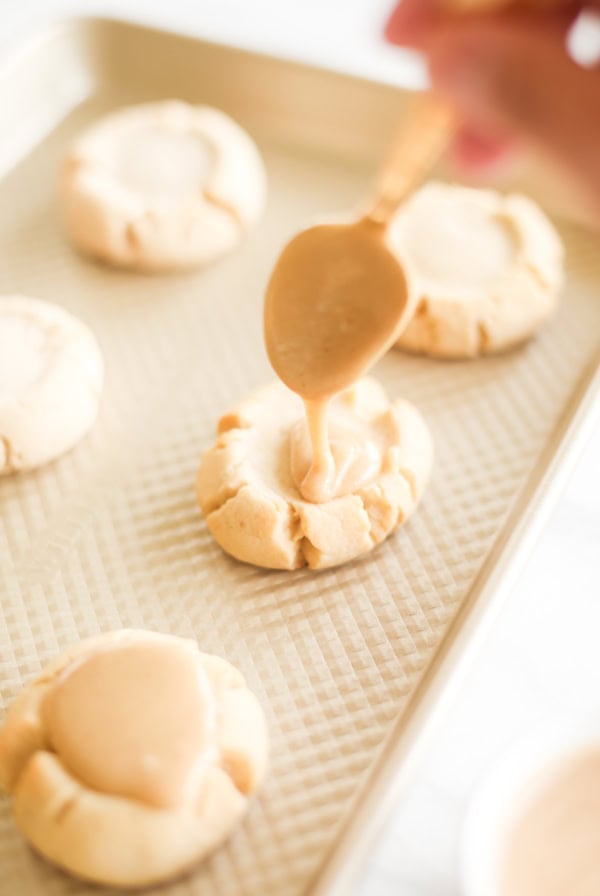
<point>510,76</point>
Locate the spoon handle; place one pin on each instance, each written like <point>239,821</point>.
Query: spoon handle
<point>418,146</point>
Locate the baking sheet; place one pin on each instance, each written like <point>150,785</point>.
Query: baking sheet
<point>110,535</point>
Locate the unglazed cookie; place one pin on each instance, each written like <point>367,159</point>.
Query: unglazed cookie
<point>51,375</point>
<point>488,269</point>
<point>162,186</point>
<point>247,487</point>
<point>132,757</point>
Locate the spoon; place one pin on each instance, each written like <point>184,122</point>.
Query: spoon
<point>338,296</point>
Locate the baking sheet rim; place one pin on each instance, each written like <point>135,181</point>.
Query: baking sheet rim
<point>426,707</point>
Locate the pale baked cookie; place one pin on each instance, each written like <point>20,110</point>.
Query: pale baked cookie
<point>162,186</point>
<point>488,269</point>
<point>51,375</point>
<point>132,756</point>
<point>254,510</point>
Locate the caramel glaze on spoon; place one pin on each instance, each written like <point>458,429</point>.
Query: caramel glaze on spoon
<point>337,300</point>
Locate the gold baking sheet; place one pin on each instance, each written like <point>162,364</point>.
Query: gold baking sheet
<point>110,535</point>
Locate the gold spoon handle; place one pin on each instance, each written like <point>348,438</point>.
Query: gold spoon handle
<point>418,146</point>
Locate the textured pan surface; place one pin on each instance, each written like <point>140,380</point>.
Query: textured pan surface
<point>110,535</point>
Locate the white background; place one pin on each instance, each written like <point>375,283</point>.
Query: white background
<point>516,682</point>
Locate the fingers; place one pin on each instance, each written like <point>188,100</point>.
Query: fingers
<point>412,22</point>
<point>510,77</point>
<point>507,78</point>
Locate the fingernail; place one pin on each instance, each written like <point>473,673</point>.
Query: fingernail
<point>477,153</point>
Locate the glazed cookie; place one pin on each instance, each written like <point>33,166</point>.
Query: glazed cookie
<point>248,494</point>
<point>132,757</point>
<point>488,269</point>
<point>162,186</point>
<point>51,374</point>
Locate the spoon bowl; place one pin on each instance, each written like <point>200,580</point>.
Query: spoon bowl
<point>336,301</point>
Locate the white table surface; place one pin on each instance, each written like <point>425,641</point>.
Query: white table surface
<point>510,688</point>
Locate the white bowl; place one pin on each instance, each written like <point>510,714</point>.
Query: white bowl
<point>496,802</point>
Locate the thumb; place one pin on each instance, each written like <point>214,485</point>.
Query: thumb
<point>507,79</point>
